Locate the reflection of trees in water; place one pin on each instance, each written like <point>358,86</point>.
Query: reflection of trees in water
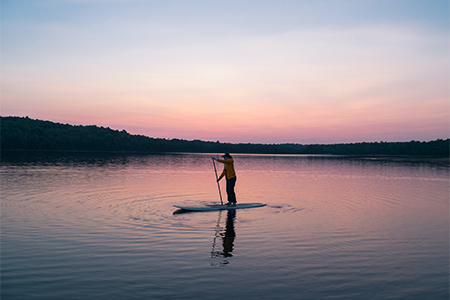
<point>227,236</point>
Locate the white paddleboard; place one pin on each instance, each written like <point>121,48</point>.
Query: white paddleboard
<point>212,207</point>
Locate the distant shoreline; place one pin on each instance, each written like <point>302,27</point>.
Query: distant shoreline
<point>18,133</point>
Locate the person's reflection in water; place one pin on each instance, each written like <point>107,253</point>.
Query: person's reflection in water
<point>230,234</point>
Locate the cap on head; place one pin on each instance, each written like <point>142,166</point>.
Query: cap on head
<point>226,155</point>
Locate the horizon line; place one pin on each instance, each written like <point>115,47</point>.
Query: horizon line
<point>218,141</point>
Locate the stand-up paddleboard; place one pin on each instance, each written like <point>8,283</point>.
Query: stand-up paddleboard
<point>211,207</point>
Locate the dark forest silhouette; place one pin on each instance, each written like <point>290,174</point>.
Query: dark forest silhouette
<point>28,134</point>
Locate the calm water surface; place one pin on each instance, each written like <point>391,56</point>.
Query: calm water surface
<point>104,227</point>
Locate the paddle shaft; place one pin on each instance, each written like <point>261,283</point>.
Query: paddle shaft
<point>217,179</point>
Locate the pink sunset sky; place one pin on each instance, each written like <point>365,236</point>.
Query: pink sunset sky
<point>235,71</point>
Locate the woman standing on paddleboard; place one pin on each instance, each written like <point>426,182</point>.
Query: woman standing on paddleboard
<point>230,175</point>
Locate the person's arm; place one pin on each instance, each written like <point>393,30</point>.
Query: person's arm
<point>221,175</point>
<point>227,161</point>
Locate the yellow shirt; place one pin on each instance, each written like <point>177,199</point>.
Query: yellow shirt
<point>228,168</point>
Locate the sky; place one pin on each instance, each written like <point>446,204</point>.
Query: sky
<point>279,71</point>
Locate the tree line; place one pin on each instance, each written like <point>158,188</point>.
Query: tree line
<point>28,134</point>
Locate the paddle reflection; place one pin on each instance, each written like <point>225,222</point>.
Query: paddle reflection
<point>227,235</point>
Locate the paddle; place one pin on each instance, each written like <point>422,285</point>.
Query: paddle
<point>217,179</point>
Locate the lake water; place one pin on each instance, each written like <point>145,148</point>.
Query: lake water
<point>91,226</point>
